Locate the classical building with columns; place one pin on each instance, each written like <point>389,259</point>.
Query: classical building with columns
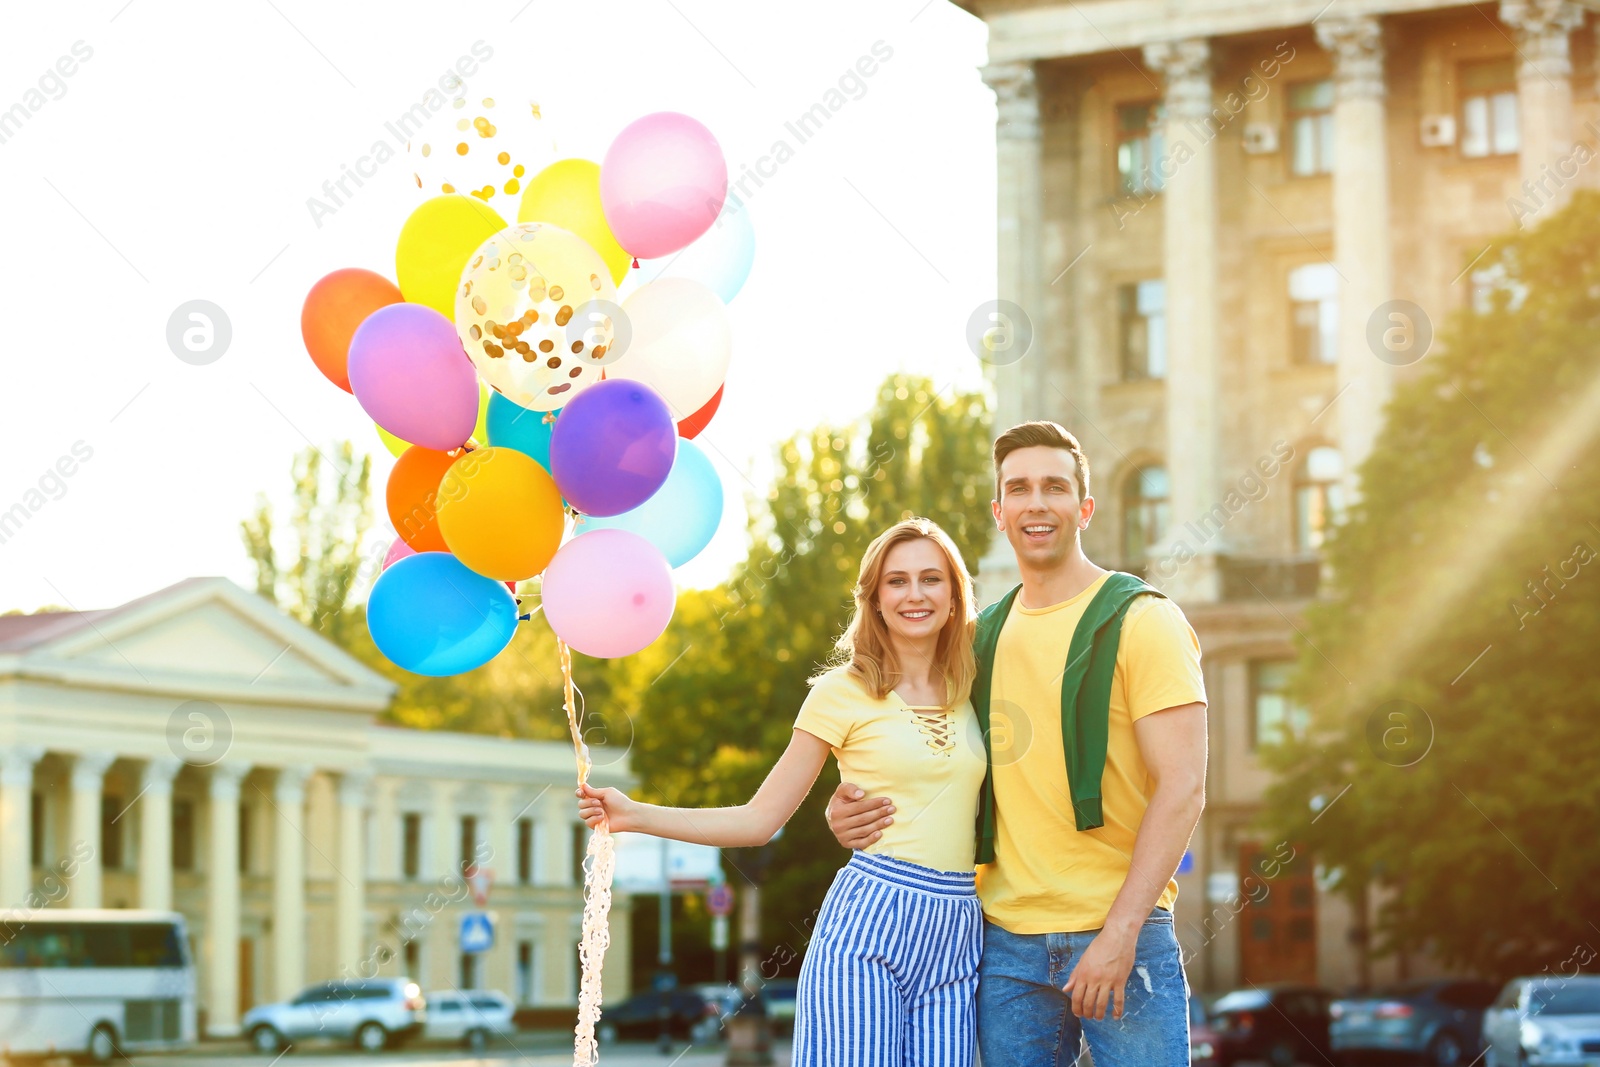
<point>197,749</point>
<point>1234,225</point>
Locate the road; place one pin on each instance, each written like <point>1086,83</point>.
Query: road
<point>531,1050</point>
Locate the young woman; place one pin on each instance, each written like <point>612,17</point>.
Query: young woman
<point>890,972</point>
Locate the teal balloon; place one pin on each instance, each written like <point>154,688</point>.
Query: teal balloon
<point>682,516</point>
<point>512,426</point>
<point>720,259</point>
<point>431,615</point>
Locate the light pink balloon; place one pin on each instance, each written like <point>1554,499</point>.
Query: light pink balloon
<point>608,593</point>
<point>662,183</point>
<point>397,550</point>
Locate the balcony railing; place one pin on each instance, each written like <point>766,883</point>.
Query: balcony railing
<point>1292,578</point>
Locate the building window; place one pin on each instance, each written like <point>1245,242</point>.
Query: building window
<point>411,954</point>
<point>1145,511</point>
<point>1318,498</point>
<point>524,972</point>
<point>110,832</point>
<point>182,834</point>
<point>1314,313</point>
<point>1489,109</point>
<point>469,841</point>
<point>1139,148</point>
<point>1311,128</point>
<point>1142,329</point>
<point>411,845</point>
<point>245,813</point>
<point>525,851</point>
<point>469,970</point>
<point>1274,716</point>
<point>36,828</point>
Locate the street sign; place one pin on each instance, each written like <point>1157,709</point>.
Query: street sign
<point>479,879</point>
<point>719,932</point>
<point>477,932</point>
<point>720,901</point>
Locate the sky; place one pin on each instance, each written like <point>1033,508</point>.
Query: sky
<point>169,153</point>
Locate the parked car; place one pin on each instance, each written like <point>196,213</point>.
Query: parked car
<point>471,1018</point>
<point>729,1000</point>
<point>689,1015</point>
<point>1544,1022</point>
<point>1280,1024</point>
<point>374,1013</point>
<point>1438,1021</point>
<point>1202,1039</point>
<point>780,994</point>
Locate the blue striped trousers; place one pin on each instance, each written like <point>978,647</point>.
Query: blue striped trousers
<point>890,974</point>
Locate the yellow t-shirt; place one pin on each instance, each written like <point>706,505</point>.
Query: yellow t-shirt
<point>930,764</point>
<point>1049,877</point>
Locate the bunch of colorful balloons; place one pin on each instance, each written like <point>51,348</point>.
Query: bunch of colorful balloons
<point>542,428</point>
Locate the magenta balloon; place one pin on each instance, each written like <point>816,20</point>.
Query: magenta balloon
<point>409,372</point>
<point>398,549</point>
<point>612,447</point>
<point>608,593</point>
<point>662,183</point>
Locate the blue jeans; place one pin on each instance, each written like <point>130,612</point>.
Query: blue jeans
<point>1025,1020</point>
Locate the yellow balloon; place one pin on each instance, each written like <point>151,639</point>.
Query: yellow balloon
<point>434,246</point>
<point>480,432</point>
<point>500,513</point>
<point>567,194</point>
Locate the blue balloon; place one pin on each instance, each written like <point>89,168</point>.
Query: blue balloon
<point>682,516</point>
<point>513,426</point>
<point>431,615</point>
<point>720,259</point>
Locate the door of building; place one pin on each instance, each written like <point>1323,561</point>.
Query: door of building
<point>247,972</point>
<point>1278,924</point>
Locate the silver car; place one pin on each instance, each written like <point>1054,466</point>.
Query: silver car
<point>374,1013</point>
<point>1544,1022</point>
<point>469,1017</point>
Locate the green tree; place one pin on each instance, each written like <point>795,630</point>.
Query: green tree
<point>711,705</point>
<point>1452,760</point>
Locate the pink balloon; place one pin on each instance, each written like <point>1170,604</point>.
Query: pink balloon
<point>398,549</point>
<point>662,183</point>
<point>608,593</point>
<point>411,375</point>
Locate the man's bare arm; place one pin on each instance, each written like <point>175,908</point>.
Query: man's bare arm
<point>856,819</point>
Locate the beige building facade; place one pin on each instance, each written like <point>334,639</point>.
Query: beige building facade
<point>1234,226</point>
<point>197,749</point>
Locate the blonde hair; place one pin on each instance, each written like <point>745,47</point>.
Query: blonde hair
<point>864,647</point>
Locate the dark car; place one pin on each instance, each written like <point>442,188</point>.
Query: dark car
<point>1438,1022</point>
<point>689,1016</point>
<point>1202,1039</point>
<point>1282,1025</point>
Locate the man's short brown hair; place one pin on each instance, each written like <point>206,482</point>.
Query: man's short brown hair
<point>1050,435</point>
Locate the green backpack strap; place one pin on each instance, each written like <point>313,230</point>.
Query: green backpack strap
<point>985,641</point>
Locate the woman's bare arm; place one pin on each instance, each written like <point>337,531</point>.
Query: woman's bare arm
<point>744,826</point>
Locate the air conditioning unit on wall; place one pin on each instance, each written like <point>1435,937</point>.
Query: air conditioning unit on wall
<point>1260,138</point>
<point>1438,131</point>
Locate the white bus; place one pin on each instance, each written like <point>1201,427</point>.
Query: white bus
<point>94,982</point>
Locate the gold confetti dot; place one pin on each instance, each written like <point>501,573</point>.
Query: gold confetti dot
<point>461,149</point>
<point>427,150</point>
<point>527,355</point>
<point>447,188</point>
<point>488,101</point>
<point>418,177</point>
<point>479,306</point>
<point>486,192</point>
<point>477,261</point>
<point>504,158</point>
<point>599,352</point>
<point>594,282</point>
<point>459,102</point>
<point>563,316</point>
<point>577,347</point>
<point>555,292</point>
<point>535,110</point>
<point>547,345</point>
<point>529,317</point>
<point>512,186</point>
<point>553,362</point>
<point>487,130</point>
<point>574,372</point>
<point>461,124</point>
<point>476,332</point>
<point>518,170</point>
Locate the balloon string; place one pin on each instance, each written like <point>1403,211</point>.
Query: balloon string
<point>598,868</point>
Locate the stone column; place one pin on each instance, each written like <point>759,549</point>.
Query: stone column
<point>222,888</point>
<point>1189,267</point>
<point>446,859</point>
<point>350,877</point>
<point>499,964</point>
<point>555,840</point>
<point>16,823</point>
<point>88,774</point>
<point>1020,384</point>
<point>155,833</point>
<point>1361,234</point>
<point>1544,97</point>
<point>289,882</point>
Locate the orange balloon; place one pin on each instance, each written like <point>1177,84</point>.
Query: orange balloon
<point>333,309</point>
<point>500,513</point>
<point>412,496</point>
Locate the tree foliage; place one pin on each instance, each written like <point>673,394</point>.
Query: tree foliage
<point>1453,761</point>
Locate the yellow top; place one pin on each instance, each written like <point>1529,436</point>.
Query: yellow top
<point>929,762</point>
<point>1049,877</point>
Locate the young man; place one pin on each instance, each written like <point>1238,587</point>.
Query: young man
<point>1090,696</point>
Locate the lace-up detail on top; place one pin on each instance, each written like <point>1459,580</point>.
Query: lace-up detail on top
<point>938,726</point>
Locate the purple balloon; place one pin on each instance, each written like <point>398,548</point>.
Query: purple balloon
<point>612,447</point>
<point>411,375</point>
